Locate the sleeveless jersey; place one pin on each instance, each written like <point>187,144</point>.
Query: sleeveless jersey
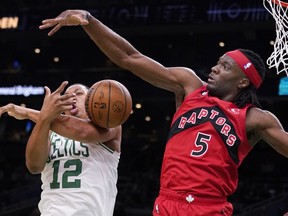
<point>206,144</point>
<point>78,179</point>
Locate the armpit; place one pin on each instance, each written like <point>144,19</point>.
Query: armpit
<point>253,137</point>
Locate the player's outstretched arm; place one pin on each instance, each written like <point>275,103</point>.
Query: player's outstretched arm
<point>126,56</point>
<point>22,113</point>
<point>265,125</point>
<point>19,112</point>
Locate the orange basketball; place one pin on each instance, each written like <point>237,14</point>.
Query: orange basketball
<point>108,103</point>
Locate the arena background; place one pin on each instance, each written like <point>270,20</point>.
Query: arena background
<point>175,33</point>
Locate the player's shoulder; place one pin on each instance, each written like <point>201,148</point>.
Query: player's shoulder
<point>259,112</point>
<point>258,118</point>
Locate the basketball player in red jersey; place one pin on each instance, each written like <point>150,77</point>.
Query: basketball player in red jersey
<point>215,126</point>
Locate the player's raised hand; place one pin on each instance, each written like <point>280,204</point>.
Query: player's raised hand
<point>66,18</point>
<point>55,103</point>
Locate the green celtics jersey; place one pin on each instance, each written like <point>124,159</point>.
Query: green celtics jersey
<point>78,179</point>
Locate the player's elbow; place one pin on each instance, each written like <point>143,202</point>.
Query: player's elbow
<point>34,168</point>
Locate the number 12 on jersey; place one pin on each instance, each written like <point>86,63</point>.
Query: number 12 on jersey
<point>74,169</point>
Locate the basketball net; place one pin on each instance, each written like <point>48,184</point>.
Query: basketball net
<point>279,57</point>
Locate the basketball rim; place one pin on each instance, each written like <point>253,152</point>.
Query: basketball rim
<point>282,3</point>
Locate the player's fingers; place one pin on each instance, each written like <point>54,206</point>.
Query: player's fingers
<point>66,97</point>
<point>47,91</point>
<point>66,107</point>
<point>3,109</point>
<point>55,29</point>
<point>61,88</point>
<point>46,26</point>
<point>84,22</point>
<point>49,23</point>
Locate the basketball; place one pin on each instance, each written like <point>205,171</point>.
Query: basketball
<point>108,103</point>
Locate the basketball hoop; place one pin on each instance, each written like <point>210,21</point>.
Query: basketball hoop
<point>279,57</point>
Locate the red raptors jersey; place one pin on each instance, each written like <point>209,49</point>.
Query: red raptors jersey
<point>207,143</point>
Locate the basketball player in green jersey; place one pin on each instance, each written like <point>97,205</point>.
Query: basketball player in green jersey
<point>77,161</point>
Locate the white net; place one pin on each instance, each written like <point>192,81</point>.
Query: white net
<point>279,57</point>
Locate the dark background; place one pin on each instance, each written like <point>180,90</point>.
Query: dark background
<point>175,33</point>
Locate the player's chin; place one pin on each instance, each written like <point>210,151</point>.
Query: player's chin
<point>209,86</point>
<point>76,114</point>
<point>80,115</point>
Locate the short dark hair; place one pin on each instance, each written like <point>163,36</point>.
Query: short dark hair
<point>79,84</point>
<point>248,95</point>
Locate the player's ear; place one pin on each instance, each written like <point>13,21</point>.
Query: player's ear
<point>244,82</point>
